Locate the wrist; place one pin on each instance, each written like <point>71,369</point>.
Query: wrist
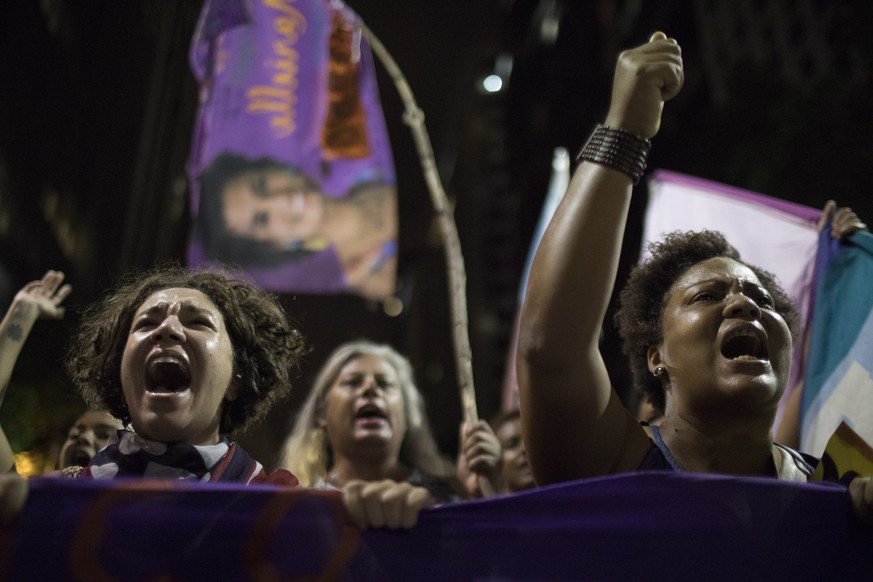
<point>643,127</point>
<point>618,149</point>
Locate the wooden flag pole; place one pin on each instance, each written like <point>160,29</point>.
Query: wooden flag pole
<point>413,116</point>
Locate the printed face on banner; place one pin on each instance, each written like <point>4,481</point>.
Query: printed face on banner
<point>272,206</point>
<point>292,177</point>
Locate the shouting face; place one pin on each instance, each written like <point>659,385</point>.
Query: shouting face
<point>177,367</point>
<point>364,407</point>
<point>723,341</point>
<point>89,434</point>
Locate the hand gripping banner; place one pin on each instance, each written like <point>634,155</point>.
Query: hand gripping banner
<point>621,527</point>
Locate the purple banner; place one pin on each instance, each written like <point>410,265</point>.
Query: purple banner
<point>291,171</point>
<point>652,526</point>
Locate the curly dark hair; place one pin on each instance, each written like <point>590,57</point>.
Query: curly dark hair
<point>266,346</point>
<point>644,297</point>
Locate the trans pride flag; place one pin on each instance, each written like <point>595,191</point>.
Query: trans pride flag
<point>289,135</point>
<point>838,386</point>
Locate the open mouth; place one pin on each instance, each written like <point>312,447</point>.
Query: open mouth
<point>744,343</point>
<point>167,374</point>
<point>370,413</point>
<point>79,458</point>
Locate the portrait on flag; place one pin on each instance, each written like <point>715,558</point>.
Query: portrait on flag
<point>291,172</point>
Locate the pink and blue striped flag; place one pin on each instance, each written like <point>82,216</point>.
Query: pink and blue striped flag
<point>839,376</point>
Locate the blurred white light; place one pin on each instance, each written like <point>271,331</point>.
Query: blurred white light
<point>492,83</point>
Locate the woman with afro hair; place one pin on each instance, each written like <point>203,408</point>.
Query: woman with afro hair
<point>709,336</point>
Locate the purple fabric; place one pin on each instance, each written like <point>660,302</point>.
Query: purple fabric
<point>657,526</point>
<point>316,274</point>
<point>263,71</point>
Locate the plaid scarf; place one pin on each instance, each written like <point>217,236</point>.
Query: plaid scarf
<point>130,455</point>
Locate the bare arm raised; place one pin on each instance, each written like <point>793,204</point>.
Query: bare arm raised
<point>573,422</point>
<point>36,300</point>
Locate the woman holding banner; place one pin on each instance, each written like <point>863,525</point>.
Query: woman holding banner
<point>709,336</point>
<point>188,358</point>
<point>364,418</point>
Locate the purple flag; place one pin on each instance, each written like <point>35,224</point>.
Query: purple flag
<point>291,171</point>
